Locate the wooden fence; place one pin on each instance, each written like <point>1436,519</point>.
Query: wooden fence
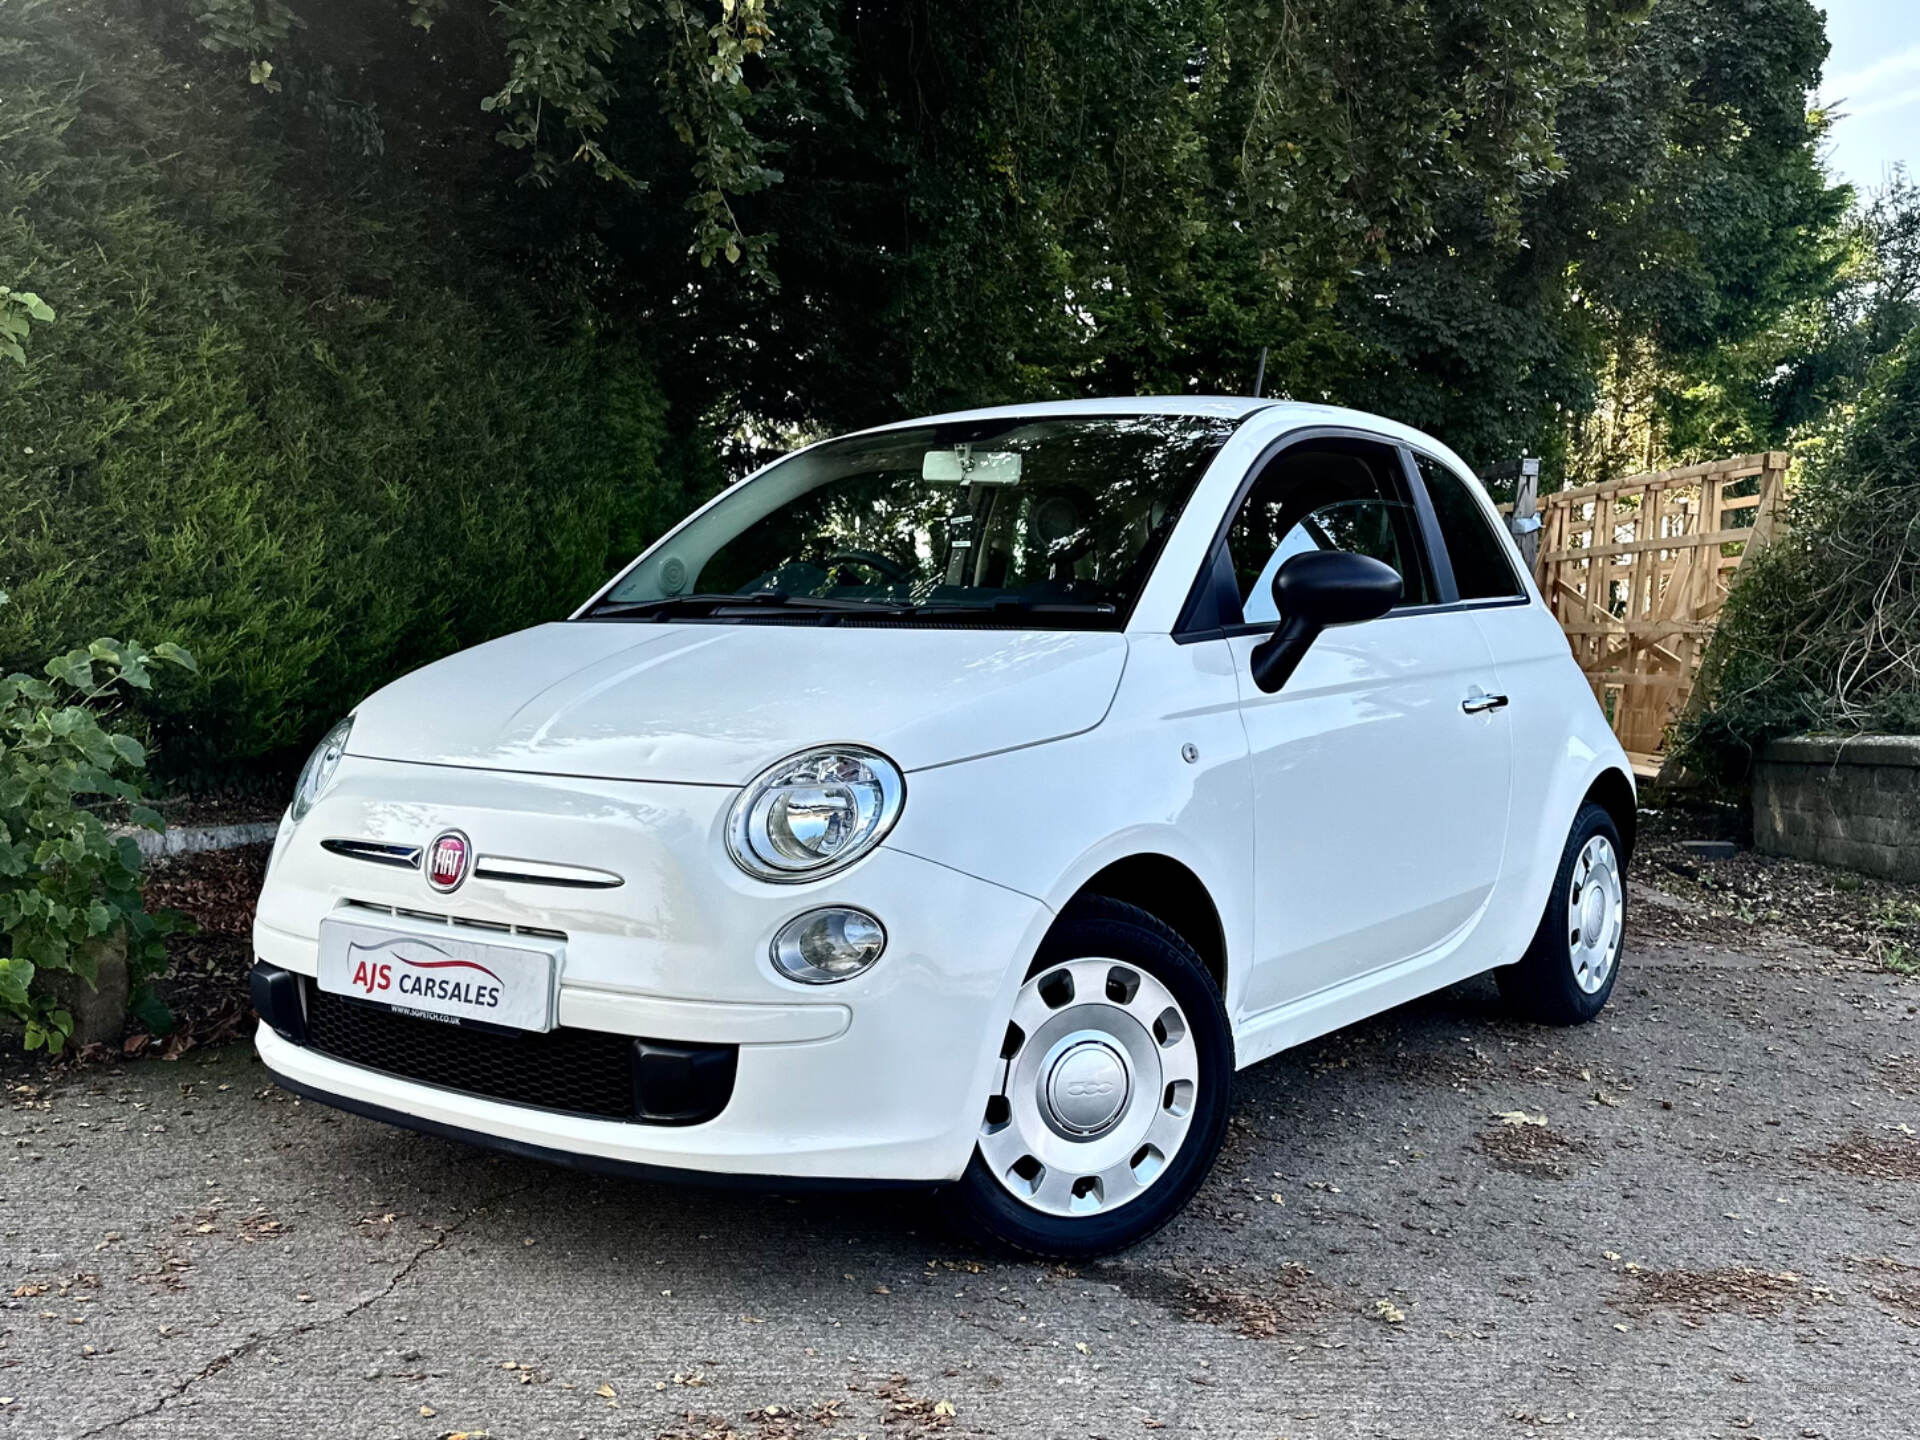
<point>1636,570</point>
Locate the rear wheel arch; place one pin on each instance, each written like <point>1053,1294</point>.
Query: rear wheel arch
<point>1613,792</point>
<point>1569,967</point>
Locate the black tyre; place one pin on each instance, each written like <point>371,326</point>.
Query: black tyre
<point>1113,1102</point>
<point>1568,971</point>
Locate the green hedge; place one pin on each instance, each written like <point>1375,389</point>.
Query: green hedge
<point>291,424</point>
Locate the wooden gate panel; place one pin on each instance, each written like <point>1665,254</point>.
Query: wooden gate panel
<point>1636,570</point>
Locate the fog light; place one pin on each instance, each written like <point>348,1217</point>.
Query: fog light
<point>823,946</point>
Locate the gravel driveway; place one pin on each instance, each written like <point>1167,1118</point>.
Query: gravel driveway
<point>1700,1216</point>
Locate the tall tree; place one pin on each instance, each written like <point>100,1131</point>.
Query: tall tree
<point>1486,216</point>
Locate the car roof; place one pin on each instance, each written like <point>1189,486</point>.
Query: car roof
<point>1283,415</point>
<point>1232,407</point>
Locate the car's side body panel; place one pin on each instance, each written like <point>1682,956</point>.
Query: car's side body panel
<point>1045,819</point>
<point>1562,745</point>
<point>1125,784</point>
<point>1382,805</point>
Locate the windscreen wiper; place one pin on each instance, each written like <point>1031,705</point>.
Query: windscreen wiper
<point>1011,607</point>
<point>707,604</point>
<point>1002,607</point>
<point>627,609</point>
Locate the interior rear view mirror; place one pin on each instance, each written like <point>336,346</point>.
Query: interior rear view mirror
<point>964,465</point>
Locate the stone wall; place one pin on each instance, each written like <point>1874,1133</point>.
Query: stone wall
<point>1852,801</point>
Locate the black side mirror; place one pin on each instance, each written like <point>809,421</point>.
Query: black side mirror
<point>1311,592</point>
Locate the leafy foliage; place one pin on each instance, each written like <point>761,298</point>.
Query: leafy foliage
<point>562,79</point>
<point>1683,210</point>
<point>66,882</point>
<point>1481,215</point>
<point>1822,630</point>
<point>287,416</point>
<point>1812,362</point>
<point>385,328</point>
<point>1779,382</point>
<point>18,312</point>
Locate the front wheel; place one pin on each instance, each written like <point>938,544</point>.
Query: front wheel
<point>1112,1100</point>
<point>1568,971</point>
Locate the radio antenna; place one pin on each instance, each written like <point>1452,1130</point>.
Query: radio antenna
<point>1260,375</point>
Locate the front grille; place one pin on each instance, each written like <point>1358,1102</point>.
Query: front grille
<point>463,922</point>
<point>581,1072</point>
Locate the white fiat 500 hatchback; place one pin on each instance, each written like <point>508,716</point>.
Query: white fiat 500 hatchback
<point>960,803</point>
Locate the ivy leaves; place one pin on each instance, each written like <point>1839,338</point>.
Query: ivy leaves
<point>19,311</point>
<point>1462,212</point>
<point>568,63</point>
<point>561,58</point>
<point>67,881</point>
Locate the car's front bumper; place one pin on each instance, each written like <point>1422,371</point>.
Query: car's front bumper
<point>881,1078</point>
<point>577,1159</point>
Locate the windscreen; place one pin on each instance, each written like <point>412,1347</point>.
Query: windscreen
<point>1052,522</point>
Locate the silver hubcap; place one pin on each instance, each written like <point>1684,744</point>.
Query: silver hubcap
<point>1596,914</point>
<point>1087,1087</point>
<point>1098,1089</point>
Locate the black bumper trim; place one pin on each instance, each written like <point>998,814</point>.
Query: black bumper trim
<point>591,1164</point>
<point>276,999</point>
<point>568,1070</point>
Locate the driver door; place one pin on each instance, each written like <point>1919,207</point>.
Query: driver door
<point>1380,803</point>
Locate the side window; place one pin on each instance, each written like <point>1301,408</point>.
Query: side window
<point>1481,567</point>
<point>1326,495</point>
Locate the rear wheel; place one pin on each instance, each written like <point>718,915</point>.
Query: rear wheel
<point>1111,1103</point>
<point>1568,971</point>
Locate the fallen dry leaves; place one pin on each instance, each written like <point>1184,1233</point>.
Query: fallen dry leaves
<point>1737,900</point>
<point>765,1422</point>
<point>1527,1147</point>
<point>1273,1301</point>
<point>1894,1283</point>
<point>205,985</point>
<point>909,1413</point>
<point>1697,1294</point>
<point>1520,1117</point>
<point>1870,1158</point>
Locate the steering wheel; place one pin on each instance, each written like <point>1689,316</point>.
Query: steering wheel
<point>869,560</point>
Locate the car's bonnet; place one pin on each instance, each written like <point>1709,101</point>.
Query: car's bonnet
<point>715,704</point>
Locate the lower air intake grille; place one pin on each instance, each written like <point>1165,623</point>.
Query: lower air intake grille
<point>579,1072</point>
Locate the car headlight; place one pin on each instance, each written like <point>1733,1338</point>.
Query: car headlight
<point>317,773</point>
<point>814,813</point>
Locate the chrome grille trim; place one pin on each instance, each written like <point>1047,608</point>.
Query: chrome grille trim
<point>459,921</point>
<point>485,867</point>
<point>544,872</point>
<point>406,857</point>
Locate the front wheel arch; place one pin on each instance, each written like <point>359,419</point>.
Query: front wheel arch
<point>1168,891</point>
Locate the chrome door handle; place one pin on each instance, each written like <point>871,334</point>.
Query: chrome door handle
<point>1479,701</point>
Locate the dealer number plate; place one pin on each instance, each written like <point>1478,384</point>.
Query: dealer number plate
<point>440,977</point>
